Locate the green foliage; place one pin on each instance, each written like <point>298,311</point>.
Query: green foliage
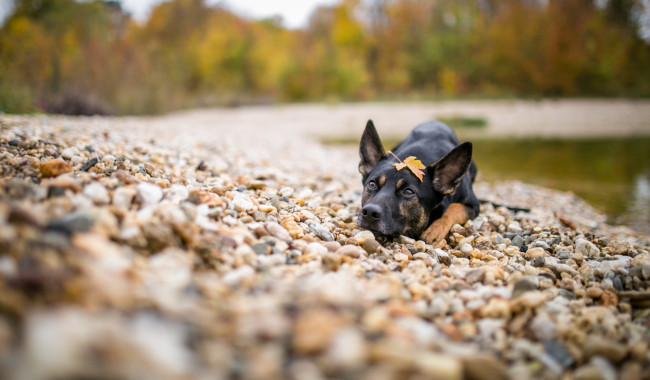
<point>464,122</point>
<point>189,53</point>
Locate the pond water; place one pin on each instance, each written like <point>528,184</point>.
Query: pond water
<point>613,174</point>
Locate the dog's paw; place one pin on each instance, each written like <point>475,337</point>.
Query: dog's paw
<point>436,232</point>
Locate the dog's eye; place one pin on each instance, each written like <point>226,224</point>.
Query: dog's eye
<point>372,185</point>
<point>408,192</point>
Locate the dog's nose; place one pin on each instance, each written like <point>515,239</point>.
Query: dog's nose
<point>372,211</point>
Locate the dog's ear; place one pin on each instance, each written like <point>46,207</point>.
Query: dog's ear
<point>448,171</point>
<point>370,149</point>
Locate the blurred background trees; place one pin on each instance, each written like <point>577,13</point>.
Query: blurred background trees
<point>90,57</point>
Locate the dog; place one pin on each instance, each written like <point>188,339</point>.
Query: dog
<point>396,202</point>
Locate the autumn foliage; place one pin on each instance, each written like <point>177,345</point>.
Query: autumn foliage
<point>91,57</point>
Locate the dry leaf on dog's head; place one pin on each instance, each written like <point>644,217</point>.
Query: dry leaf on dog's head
<point>413,165</point>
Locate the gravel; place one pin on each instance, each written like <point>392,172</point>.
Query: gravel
<point>151,248</point>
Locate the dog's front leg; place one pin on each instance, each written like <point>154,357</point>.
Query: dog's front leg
<point>456,213</point>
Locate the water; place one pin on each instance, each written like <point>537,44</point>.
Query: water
<point>613,175</point>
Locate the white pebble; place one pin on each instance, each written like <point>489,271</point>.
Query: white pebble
<point>148,194</point>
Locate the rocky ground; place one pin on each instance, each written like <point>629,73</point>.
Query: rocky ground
<point>151,249</point>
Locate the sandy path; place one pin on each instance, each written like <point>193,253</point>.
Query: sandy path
<point>547,118</point>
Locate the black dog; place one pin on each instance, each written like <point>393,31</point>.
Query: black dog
<point>398,203</point>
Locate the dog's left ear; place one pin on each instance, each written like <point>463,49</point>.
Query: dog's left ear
<point>448,171</point>
<point>370,149</point>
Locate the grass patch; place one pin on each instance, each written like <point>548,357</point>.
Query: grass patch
<point>464,122</point>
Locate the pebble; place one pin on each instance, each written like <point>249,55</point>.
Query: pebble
<point>363,236</point>
<point>320,231</point>
<point>292,227</point>
<point>89,164</point>
<point>97,193</point>
<point>534,253</point>
<point>594,292</point>
<point>278,231</point>
<point>148,194</point>
<point>587,248</point>
<point>79,221</point>
<point>350,251</point>
<point>123,197</point>
<point>371,246</point>
<point>54,168</point>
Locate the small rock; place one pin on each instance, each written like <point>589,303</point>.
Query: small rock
<point>588,372</point>
<point>406,240</point>
<point>348,349</point>
<point>531,300</point>
<point>54,168</point>
<point>534,253</point>
<point>514,227</point>
<point>466,248</point>
<point>483,243</point>
<point>267,208</point>
<point>351,251</point>
<point>619,247</point>
<point>594,292</point>
<point>517,241</point>
<point>69,153</point>
<point>371,246</point>
<point>598,345</point>
<point>286,192</point>
<point>332,261</point>
<point>261,249</point>
<point>559,354</point>
<point>320,231</point>
<point>544,327</point>
<point>608,299</point>
<point>475,275</point>
<point>401,257</point>
<point>587,248</point>
<point>89,164</point>
<point>97,193</point>
<point>524,285</point>
<point>176,193</point>
<point>316,249</point>
<point>483,367</point>
<point>148,194</point>
<point>243,205</point>
<point>496,308</point>
<point>207,198</point>
<point>564,268</point>
<point>79,221</point>
<point>278,231</point>
<point>363,236</point>
<point>123,197</point>
<point>292,227</point>
<point>313,331</point>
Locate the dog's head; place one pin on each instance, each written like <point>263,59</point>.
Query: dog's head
<point>397,202</point>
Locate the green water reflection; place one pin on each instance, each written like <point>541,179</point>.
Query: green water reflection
<point>613,175</point>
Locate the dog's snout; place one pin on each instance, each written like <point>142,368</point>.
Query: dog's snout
<point>372,211</point>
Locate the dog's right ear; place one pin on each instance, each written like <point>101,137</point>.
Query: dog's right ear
<point>370,150</point>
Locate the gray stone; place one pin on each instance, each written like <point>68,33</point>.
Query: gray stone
<point>517,241</point>
<point>587,248</point>
<point>320,231</point>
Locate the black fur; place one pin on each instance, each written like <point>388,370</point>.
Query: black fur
<point>391,211</point>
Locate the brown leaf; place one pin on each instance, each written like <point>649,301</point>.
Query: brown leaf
<point>413,165</point>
